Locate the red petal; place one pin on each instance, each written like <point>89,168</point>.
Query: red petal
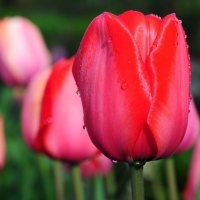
<point>170,65</point>
<point>113,85</point>
<point>143,29</point>
<point>61,132</point>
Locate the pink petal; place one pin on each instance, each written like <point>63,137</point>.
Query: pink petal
<point>169,63</point>
<point>114,87</point>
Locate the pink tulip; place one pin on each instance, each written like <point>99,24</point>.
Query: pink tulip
<point>22,50</point>
<point>31,108</point>
<point>133,75</point>
<point>2,144</point>
<point>193,180</point>
<point>100,164</point>
<point>62,133</point>
<point>192,131</point>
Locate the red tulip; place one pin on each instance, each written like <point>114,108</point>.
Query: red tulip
<point>193,180</point>
<point>31,108</point>
<point>192,131</point>
<point>62,133</point>
<point>100,164</point>
<point>2,144</point>
<point>133,75</point>
<point>23,52</point>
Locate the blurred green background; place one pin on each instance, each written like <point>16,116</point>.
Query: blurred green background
<point>27,176</point>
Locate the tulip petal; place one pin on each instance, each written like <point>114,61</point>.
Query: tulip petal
<point>61,127</point>
<point>169,62</point>
<point>143,29</point>
<point>113,85</point>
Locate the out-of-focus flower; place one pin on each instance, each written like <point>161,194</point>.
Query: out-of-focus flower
<point>193,179</point>
<point>23,52</point>
<point>2,144</point>
<point>99,164</point>
<point>133,75</point>
<point>31,108</point>
<point>62,135</point>
<point>192,131</point>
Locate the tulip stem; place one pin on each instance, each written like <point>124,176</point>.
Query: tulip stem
<point>77,182</point>
<point>58,180</point>
<point>137,181</point>
<point>110,184</point>
<point>98,187</point>
<point>171,179</point>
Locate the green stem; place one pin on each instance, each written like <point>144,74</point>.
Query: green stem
<point>171,178</point>
<point>58,180</point>
<point>137,181</point>
<point>77,182</point>
<point>110,183</point>
<point>44,168</point>
<point>98,187</point>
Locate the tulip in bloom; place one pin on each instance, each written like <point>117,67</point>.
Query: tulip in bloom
<point>133,75</point>
<point>23,52</point>
<point>31,108</point>
<point>62,135</point>
<point>192,131</point>
<point>2,144</point>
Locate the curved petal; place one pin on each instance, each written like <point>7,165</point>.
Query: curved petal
<point>31,108</point>
<point>169,62</point>
<point>61,128</point>
<point>113,85</point>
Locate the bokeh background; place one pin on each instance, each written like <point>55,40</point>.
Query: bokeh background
<point>28,176</point>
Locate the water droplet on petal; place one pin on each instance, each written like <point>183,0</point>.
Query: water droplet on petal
<point>124,85</point>
<point>114,161</point>
<point>84,127</point>
<point>185,36</point>
<point>77,92</point>
<point>180,21</point>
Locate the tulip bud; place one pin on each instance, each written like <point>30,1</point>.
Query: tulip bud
<point>23,52</point>
<point>133,75</point>
<point>99,164</point>
<point>192,131</point>
<point>62,134</point>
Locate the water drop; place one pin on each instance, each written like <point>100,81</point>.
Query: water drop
<point>124,85</point>
<point>114,161</point>
<point>78,93</point>
<point>84,127</point>
<point>185,36</point>
<point>180,21</point>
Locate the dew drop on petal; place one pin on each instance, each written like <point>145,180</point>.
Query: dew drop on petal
<point>124,85</point>
<point>114,161</point>
<point>84,127</point>
<point>77,92</point>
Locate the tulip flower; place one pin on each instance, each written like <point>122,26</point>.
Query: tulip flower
<point>23,52</point>
<point>2,144</point>
<point>193,180</point>
<point>62,135</point>
<point>133,76</point>
<point>31,108</point>
<point>192,131</point>
<point>100,164</point>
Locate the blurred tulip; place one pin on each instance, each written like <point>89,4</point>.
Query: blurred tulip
<point>2,144</point>
<point>99,164</point>
<point>31,108</point>
<point>192,131</point>
<point>22,50</point>
<point>62,133</point>
<point>193,180</point>
<point>133,75</point>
